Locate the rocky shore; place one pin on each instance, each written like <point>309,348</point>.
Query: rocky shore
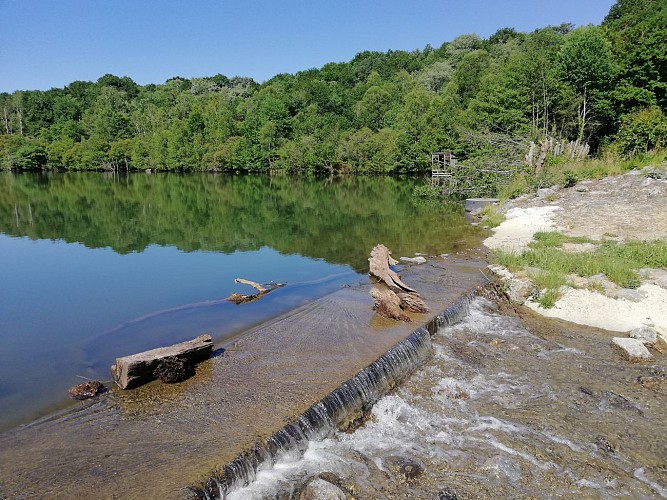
<point>632,206</point>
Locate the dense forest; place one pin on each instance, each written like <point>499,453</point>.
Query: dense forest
<point>484,99</point>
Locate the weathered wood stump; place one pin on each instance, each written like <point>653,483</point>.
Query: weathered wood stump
<point>387,304</point>
<point>137,369</point>
<point>394,299</point>
<point>380,261</point>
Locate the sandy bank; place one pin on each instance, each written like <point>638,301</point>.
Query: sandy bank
<point>631,206</point>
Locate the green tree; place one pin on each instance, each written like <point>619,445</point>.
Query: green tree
<point>584,62</point>
<point>637,30</point>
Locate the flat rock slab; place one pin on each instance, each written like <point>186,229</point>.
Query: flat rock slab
<point>155,440</point>
<point>633,350</point>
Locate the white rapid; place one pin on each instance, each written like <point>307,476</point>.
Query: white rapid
<point>505,408</point>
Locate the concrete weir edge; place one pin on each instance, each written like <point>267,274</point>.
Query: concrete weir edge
<point>341,409</point>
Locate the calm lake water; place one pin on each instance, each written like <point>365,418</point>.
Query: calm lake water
<point>96,266</point>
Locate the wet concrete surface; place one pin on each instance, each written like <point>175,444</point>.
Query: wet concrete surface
<point>154,441</point>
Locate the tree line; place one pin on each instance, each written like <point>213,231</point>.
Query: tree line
<point>381,112</point>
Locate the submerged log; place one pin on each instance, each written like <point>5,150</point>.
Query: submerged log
<point>137,369</point>
<point>240,298</point>
<point>380,261</point>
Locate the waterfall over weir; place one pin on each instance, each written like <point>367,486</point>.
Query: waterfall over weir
<point>347,404</point>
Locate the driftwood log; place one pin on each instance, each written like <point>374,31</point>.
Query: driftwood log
<point>137,369</point>
<point>392,298</point>
<point>380,261</point>
<point>240,298</point>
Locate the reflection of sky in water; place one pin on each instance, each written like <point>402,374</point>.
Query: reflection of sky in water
<point>67,310</point>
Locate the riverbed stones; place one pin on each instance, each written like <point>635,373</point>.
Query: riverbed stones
<point>404,467</point>
<point>633,350</point>
<point>604,445</point>
<point>447,493</point>
<point>319,489</point>
<point>647,335</point>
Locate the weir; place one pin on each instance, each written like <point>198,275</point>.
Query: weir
<point>338,410</point>
<point>279,385</point>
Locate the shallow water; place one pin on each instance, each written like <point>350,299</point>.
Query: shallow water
<point>506,408</point>
<point>97,266</point>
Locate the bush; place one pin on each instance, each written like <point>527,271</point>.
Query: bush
<point>571,178</point>
<point>30,156</point>
<point>642,131</point>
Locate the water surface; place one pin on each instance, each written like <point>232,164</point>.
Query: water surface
<point>97,266</point>
<point>506,408</point>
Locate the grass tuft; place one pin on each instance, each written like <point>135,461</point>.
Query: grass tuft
<point>619,262</point>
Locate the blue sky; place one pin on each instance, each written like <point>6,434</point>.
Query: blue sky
<point>50,43</point>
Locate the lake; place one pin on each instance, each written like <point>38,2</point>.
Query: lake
<point>96,266</point>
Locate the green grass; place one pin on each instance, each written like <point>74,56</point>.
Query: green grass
<point>490,217</point>
<point>619,262</point>
<point>547,239</point>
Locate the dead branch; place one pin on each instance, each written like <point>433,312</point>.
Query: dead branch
<point>240,298</point>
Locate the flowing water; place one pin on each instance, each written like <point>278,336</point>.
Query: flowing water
<point>505,408</point>
<point>96,266</point>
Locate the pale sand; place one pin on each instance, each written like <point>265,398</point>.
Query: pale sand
<point>581,306</point>
<point>514,234</point>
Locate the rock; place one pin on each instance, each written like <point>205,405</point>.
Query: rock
<point>633,350</point>
<point>581,189</point>
<point>319,489</point>
<point>447,494</point>
<point>647,335</point>
<point>408,468</point>
<point>544,192</point>
<point>413,260</point>
<point>519,290</point>
<point>500,271</point>
<point>603,444</point>
<point>87,390</point>
<point>654,173</point>
<point>173,369</point>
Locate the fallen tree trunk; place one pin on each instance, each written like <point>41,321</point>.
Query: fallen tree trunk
<point>380,260</point>
<point>138,369</point>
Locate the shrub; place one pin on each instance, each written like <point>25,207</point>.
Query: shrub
<point>642,131</point>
